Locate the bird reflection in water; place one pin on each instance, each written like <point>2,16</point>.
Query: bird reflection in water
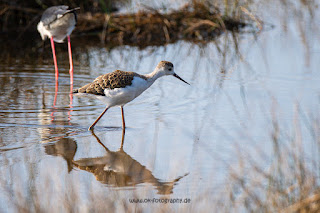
<point>55,102</point>
<point>65,148</point>
<point>117,169</point>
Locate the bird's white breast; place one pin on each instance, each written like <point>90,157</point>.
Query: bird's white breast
<point>43,31</point>
<point>121,96</point>
<point>58,29</point>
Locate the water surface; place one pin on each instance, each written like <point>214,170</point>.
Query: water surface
<point>180,140</point>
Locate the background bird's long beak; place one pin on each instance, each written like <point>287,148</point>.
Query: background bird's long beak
<point>178,77</point>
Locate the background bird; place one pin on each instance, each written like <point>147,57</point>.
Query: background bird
<point>57,23</point>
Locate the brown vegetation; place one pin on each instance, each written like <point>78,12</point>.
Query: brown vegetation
<point>193,22</point>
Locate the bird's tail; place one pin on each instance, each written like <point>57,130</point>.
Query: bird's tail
<point>74,12</point>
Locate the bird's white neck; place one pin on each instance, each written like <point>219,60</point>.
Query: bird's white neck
<point>154,75</point>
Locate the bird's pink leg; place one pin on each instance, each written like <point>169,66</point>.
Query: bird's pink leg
<point>70,61</point>
<point>71,75</point>
<point>54,59</point>
<point>96,121</point>
<point>123,123</point>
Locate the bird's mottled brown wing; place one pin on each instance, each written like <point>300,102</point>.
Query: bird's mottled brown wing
<point>116,79</point>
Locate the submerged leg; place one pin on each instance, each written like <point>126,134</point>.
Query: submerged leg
<point>55,93</point>
<point>54,59</point>
<point>70,103</point>
<point>96,121</point>
<point>123,123</point>
<point>55,99</point>
<point>70,61</point>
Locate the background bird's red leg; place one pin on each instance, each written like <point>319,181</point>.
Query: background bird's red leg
<point>54,58</point>
<point>70,61</point>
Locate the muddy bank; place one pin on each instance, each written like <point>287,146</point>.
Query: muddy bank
<point>195,22</point>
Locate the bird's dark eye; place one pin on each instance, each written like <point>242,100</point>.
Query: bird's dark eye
<point>170,69</point>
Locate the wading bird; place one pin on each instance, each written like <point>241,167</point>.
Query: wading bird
<point>57,23</point>
<point>120,87</point>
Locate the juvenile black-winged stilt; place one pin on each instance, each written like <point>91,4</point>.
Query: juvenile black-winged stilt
<point>57,23</point>
<point>120,87</point>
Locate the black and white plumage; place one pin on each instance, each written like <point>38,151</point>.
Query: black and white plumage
<point>57,22</point>
<point>120,87</point>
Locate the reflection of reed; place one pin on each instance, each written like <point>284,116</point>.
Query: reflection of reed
<point>284,178</point>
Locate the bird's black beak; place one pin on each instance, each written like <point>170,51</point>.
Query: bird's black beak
<point>178,77</point>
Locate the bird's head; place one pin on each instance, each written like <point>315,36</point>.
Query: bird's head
<point>166,68</point>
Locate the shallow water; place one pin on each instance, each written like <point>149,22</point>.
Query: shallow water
<point>180,140</point>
